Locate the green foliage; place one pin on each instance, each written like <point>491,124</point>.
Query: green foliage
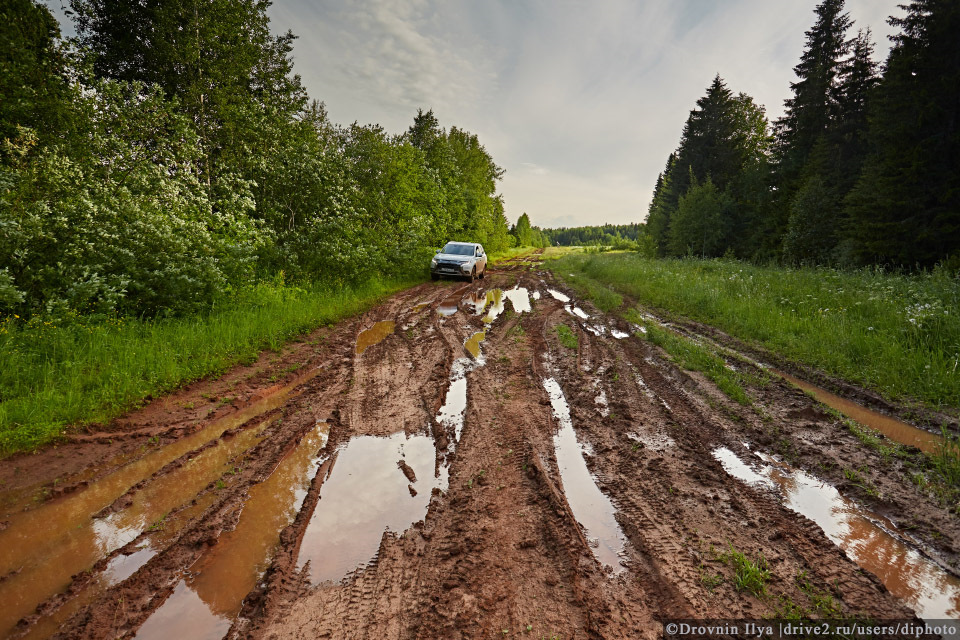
<point>749,575</point>
<point>524,235</point>
<point>896,333</point>
<point>194,165</point>
<point>126,226</point>
<point>863,168</point>
<point>607,234</point>
<point>811,233</point>
<point>605,298</point>
<point>80,370</point>
<point>813,108</point>
<point>713,189</point>
<point>156,177</point>
<point>946,459</point>
<point>567,337</point>
<point>693,357</point>
<point>905,209</point>
<point>33,92</point>
<point>701,224</point>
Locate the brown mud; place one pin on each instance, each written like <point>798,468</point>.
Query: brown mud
<point>408,480</point>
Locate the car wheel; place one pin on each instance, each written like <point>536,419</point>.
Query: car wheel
<point>483,273</point>
<point>434,277</point>
<point>473,274</point>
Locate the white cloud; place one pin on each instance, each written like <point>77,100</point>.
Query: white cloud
<point>580,102</point>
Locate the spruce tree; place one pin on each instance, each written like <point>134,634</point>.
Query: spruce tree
<point>905,209</point>
<point>812,110</point>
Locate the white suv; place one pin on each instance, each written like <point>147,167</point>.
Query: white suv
<point>460,259</point>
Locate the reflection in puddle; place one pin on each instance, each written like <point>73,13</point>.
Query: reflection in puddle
<point>66,553</point>
<point>209,598</point>
<point>449,306</point>
<point>592,509</point>
<point>455,403</point>
<point>576,311</point>
<point>117,570</point>
<point>619,335</point>
<point>375,334</point>
<point>558,296</point>
<point>536,295</point>
<point>185,615</point>
<point>363,494</point>
<point>891,427</point>
<point>866,538</point>
<point>519,298</point>
<point>472,345</point>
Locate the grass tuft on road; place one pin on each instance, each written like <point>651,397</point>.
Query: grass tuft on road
<point>81,372</point>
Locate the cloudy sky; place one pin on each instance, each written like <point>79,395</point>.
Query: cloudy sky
<point>580,102</point>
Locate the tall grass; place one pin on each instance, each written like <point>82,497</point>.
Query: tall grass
<point>896,333</point>
<point>82,372</point>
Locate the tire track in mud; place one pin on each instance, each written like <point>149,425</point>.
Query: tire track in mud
<point>497,545</point>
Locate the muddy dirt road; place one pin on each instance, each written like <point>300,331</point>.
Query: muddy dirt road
<point>454,464</point>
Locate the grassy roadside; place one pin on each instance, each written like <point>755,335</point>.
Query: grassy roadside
<point>897,334</point>
<point>54,376</point>
<point>936,473</point>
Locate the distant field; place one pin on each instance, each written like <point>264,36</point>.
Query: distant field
<point>898,334</point>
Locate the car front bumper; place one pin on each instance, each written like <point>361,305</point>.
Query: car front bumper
<point>449,269</point>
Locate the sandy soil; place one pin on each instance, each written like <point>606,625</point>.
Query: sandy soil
<point>260,526</point>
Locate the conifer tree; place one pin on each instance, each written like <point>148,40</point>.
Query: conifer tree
<point>812,110</point>
<point>905,208</point>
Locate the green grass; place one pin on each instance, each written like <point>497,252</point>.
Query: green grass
<point>748,575</point>
<point>603,297</point>
<point>689,355</point>
<point>898,334</point>
<point>507,254</point>
<point>567,337</point>
<point>55,376</point>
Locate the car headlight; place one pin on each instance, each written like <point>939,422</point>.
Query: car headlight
<point>433,262</point>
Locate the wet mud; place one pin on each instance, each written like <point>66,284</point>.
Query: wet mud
<point>442,466</point>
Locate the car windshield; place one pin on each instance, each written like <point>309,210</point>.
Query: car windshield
<point>459,249</point>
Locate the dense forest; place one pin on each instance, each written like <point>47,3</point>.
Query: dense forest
<point>863,167</point>
<point>607,234</point>
<point>167,156</point>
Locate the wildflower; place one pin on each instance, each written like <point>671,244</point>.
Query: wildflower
<point>869,328</point>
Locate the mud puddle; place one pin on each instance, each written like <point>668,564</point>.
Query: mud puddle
<point>455,402</point>
<point>449,306</point>
<point>890,427</point>
<point>365,492</point>
<point>117,570</point>
<point>868,540</point>
<point>208,598</point>
<point>558,296</point>
<point>576,311</point>
<point>47,564</point>
<point>375,334</point>
<point>496,300</point>
<point>18,540</point>
<point>592,509</point>
<point>472,345</point>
